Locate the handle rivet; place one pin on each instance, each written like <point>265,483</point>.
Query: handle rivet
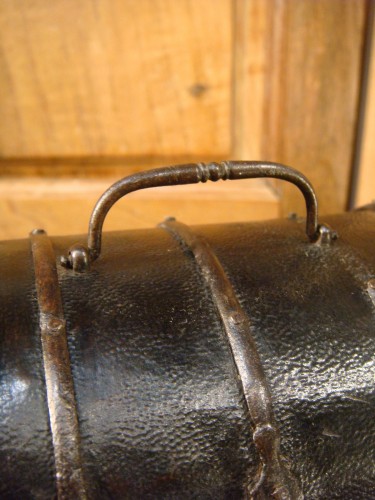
<point>77,259</point>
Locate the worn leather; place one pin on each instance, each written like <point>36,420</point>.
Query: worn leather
<point>160,408</point>
<point>26,453</point>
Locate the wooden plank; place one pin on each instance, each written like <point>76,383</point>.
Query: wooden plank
<point>315,50</point>
<point>250,77</point>
<point>91,167</point>
<point>250,80</point>
<point>125,77</point>
<point>366,181</point>
<point>64,206</point>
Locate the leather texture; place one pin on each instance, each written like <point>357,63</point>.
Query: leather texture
<point>26,453</point>
<point>160,408</point>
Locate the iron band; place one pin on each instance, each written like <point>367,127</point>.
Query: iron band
<point>273,476</point>
<point>59,381</point>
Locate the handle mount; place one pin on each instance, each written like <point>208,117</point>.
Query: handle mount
<point>79,257</point>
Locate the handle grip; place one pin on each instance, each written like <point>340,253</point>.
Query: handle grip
<point>79,257</point>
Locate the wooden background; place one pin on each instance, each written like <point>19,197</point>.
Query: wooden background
<point>94,90</point>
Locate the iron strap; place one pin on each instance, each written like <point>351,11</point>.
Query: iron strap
<point>59,381</point>
<point>274,479</point>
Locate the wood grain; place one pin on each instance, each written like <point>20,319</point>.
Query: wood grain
<point>119,77</point>
<point>64,206</point>
<point>366,181</point>
<point>315,50</point>
<point>91,89</point>
<point>93,167</point>
<point>250,77</point>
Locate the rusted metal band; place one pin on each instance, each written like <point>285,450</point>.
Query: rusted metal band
<point>274,480</point>
<point>59,381</point>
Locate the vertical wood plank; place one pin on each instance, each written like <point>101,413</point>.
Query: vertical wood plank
<point>250,75</point>
<point>366,181</point>
<point>315,49</point>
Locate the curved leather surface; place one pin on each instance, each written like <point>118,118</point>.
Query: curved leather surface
<point>314,325</point>
<point>160,409</point>
<point>26,453</point>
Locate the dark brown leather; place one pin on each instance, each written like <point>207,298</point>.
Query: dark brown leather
<point>26,453</point>
<point>160,407</point>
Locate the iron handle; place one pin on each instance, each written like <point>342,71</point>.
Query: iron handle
<point>80,257</point>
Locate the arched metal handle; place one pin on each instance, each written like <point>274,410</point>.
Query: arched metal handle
<point>79,257</point>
